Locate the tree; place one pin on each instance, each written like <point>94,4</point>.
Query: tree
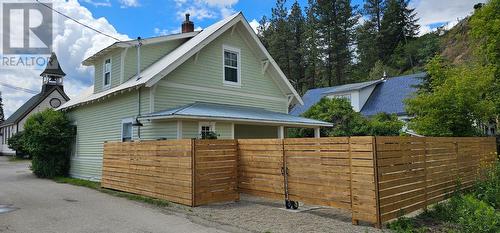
<point>485,31</point>
<point>311,46</point>
<point>346,122</point>
<point>384,124</point>
<point>2,116</point>
<point>367,53</point>
<point>296,22</point>
<point>455,101</point>
<point>398,25</point>
<point>374,9</point>
<point>279,37</point>
<point>47,138</point>
<point>337,20</point>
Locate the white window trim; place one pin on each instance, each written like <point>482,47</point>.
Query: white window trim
<point>205,123</point>
<point>128,120</point>
<point>238,53</point>
<point>104,86</point>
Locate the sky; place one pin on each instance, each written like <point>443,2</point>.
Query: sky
<point>126,19</point>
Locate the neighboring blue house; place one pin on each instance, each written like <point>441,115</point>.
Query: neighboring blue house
<point>369,98</point>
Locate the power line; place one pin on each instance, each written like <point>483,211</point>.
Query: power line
<point>76,21</point>
<point>18,88</point>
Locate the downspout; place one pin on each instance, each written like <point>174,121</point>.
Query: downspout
<point>138,124</point>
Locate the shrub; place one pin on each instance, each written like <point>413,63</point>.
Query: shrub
<point>47,138</point>
<point>476,216</point>
<point>16,142</point>
<point>487,189</point>
<point>405,225</point>
<point>346,122</point>
<point>384,124</point>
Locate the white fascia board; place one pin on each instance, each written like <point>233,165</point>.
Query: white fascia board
<point>241,120</point>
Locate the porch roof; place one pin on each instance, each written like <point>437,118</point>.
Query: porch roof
<point>224,112</point>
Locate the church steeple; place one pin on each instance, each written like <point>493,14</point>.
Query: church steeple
<point>53,74</point>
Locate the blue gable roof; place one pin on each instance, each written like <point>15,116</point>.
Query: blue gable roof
<point>388,96</point>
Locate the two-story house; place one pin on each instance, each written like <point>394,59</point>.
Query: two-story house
<point>220,80</point>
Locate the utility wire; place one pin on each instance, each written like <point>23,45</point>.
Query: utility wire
<point>76,21</point>
<point>18,88</point>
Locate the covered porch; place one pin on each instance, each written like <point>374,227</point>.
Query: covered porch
<point>231,122</point>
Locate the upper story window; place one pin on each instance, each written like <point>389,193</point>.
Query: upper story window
<point>232,66</point>
<point>107,73</point>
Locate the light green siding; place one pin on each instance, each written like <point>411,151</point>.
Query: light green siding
<point>149,55</point>
<point>255,131</point>
<point>115,71</point>
<point>223,129</point>
<point>200,80</point>
<point>207,72</point>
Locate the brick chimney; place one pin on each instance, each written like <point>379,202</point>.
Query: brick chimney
<point>187,26</point>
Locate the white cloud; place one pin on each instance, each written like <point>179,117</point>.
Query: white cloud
<point>98,3</point>
<point>129,3</point>
<point>254,24</point>
<point>72,44</point>
<point>444,11</point>
<point>205,9</point>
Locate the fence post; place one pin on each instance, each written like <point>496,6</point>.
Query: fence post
<point>375,171</point>
<point>354,221</point>
<point>193,172</point>
<point>426,201</point>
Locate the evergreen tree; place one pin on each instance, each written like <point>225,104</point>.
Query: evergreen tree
<point>279,35</point>
<point>264,31</point>
<point>367,51</point>
<point>337,22</point>
<point>2,116</point>
<point>296,22</point>
<point>311,46</point>
<point>374,10</point>
<point>398,25</point>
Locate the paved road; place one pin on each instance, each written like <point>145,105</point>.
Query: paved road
<point>46,206</point>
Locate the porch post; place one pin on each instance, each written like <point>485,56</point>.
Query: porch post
<point>317,133</point>
<point>281,132</point>
<point>179,129</point>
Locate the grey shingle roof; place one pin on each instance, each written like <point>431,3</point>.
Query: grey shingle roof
<point>32,103</point>
<point>233,113</point>
<point>388,96</point>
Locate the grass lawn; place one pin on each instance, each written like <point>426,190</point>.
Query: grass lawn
<point>97,186</point>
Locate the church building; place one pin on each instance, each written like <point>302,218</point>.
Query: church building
<point>51,96</point>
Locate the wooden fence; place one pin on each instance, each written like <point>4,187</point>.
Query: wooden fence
<point>164,169</point>
<point>376,178</point>
<point>336,172</point>
<point>416,172</point>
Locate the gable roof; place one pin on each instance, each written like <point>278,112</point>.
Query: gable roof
<point>313,96</point>
<point>213,111</point>
<point>390,95</point>
<point>27,107</point>
<point>351,87</point>
<point>158,70</point>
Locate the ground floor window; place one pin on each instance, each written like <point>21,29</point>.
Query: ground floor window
<point>206,130</point>
<point>127,130</point>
